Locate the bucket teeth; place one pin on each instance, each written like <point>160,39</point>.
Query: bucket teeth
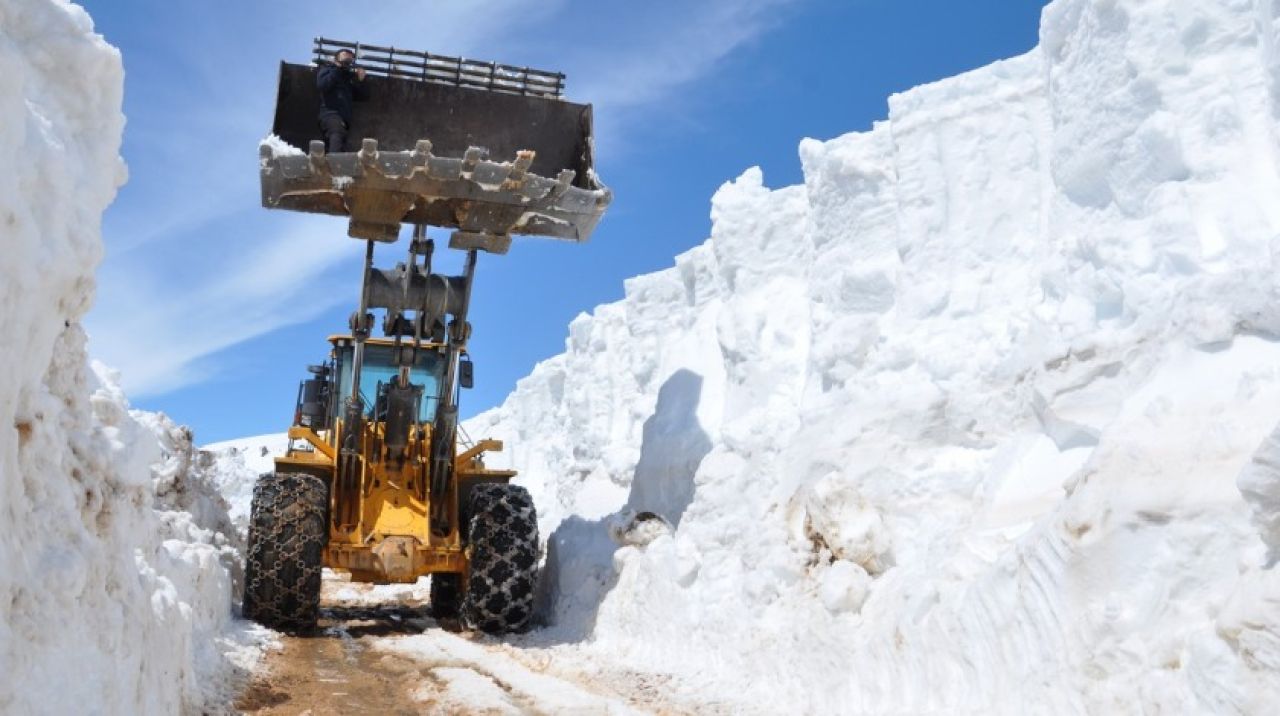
<point>379,190</point>
<point>368,151</point>
<point>564,180</point>
<point>316,157</point>
<point>519,170</point>
<point>524,160</point>
<point>473,157</point>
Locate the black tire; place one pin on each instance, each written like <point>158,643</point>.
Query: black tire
<point>446,595</point>
<point>288,529</point>
<point>503,532</point>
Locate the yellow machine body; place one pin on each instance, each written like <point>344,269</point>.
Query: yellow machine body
<point>390,538</point>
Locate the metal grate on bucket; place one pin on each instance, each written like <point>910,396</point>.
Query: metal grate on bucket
<point>442,69</point>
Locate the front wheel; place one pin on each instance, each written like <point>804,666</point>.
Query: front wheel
<point>288,528</point>
<point>503,530</point>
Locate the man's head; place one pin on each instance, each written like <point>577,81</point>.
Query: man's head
<point>344,57</point>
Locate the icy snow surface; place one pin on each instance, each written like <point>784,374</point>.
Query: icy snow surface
<point>115,574</point>
<point>956,425</point>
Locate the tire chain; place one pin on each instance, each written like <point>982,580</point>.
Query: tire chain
<point>288,528</point>
<point>504,559</point>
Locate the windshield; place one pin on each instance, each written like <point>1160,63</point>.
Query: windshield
<point>428,370</point>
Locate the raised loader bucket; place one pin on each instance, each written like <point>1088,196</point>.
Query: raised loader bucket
<point>490,150</point>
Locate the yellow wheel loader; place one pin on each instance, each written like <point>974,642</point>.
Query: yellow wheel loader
<point>376,482</point>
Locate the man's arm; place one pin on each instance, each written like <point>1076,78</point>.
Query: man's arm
<point>359,88</point>
<point>325,78</point>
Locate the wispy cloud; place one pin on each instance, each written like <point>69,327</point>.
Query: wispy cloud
<point>634,61</point>
<point>658,47</point>
<point>155,327</point>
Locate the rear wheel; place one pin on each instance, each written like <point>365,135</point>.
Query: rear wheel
<point>503,531</point>
<point>288,528</point>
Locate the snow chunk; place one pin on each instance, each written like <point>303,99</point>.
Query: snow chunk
<point>279,147</point>
<point>839,521</point>
<point>844,587</point>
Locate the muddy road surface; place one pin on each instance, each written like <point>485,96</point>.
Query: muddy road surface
<point>378,652</point>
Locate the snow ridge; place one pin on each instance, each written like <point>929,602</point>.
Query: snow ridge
<point>957,424</point>
<point>115,576</point>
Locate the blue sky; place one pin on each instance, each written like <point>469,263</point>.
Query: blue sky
<point>211,307</point>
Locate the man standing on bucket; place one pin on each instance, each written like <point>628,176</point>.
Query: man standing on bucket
<point>340,83</point>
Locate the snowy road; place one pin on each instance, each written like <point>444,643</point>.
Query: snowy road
<point>379,652</point>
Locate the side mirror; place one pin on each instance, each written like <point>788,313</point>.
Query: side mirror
<point>466,372</point>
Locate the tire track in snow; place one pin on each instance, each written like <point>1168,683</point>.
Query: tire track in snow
<point>466,672</point>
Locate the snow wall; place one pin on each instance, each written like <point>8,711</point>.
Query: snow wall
<point>956,425</point>
<point>115,577</point>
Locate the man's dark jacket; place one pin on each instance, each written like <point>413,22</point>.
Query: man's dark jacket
<point>338,88</point>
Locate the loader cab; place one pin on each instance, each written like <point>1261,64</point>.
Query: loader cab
<point>379,370</point>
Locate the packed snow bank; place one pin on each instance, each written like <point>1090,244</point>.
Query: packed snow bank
<point>957,424</point>
<point>236,465</point>
<point>114,574</point>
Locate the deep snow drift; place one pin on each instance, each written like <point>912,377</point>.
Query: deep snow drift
<point>957,424</point>
<point>115,576</point>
